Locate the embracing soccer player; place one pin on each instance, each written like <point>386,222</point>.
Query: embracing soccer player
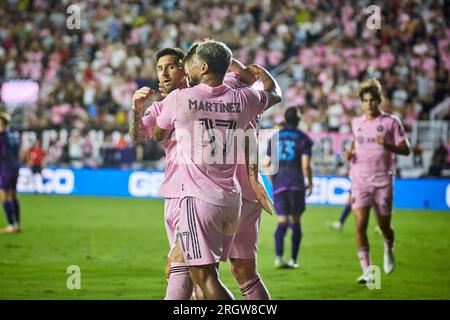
<point>204,116</point>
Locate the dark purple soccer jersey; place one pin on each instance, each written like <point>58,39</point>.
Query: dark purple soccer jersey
<point>9,154</point>
<point>292,145</point>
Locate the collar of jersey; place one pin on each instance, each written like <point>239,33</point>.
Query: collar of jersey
<point>382,114</point>
<point>214,90</point>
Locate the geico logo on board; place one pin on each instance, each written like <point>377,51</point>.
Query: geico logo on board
<point>329,190</point>
<point>145,184</point>
<point>59,181</point>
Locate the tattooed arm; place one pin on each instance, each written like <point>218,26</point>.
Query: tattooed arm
<point>137,131</point>
<point>270,84</point>
<point>254,178</point>
<point>246,76</point>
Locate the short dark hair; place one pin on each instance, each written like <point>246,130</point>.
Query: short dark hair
<point>177,52</point>
<point>291,116</point>
<point>216,54</point>
<point>190,53</point>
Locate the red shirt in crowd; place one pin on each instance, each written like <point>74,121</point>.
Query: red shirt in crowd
<point>36,156</point>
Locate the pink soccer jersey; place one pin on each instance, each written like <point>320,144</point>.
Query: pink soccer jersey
<point>373,165</point>
<point>233,80</point>
<point>203,118</point>
<point>169,186</point>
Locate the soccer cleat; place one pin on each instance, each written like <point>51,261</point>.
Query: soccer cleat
<point>389,261</point>
<point>365,278</point>
<point>292,264</point>
<point>280,263</point>
<point>337,225</point>
<point>9,229</point>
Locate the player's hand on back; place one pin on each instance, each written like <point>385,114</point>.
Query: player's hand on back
<point>141,96</point>
<point>256,70</point>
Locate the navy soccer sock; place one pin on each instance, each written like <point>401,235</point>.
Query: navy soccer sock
<point>16,206</point>
<point>8,206</point>
<point>296,238</point>
<point>280,232</point>
<point>345,213</point>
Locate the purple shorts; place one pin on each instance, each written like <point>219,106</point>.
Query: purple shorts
<point>206,231</point>
<point>245,243</point>
<point>8,183</point>
<point>289,202</point>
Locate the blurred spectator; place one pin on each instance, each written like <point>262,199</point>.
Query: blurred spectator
<point>439,159</point>
<point>417,154</point>
<point>76,149</point>
<point>319,50</point>
<point>113,54</point>
<point>55,153</point>
<point>35,158</point>
<point>330,163</point>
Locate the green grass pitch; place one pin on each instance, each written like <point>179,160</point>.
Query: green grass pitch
<point>120,247</point>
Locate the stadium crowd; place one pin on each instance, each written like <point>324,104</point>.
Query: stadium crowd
<point>320,51</point>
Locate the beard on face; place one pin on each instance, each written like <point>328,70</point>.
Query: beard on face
<point>168,86</point>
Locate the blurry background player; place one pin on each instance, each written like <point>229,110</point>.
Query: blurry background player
<point>35,158</point>
<point>378,136</point>
<point>9,173</point>
<point>288,184</point>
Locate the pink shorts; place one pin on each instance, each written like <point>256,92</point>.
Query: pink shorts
<point>171,217</point>
<point>245,243</point>
<point>206,231</point>
<point>368,196</point>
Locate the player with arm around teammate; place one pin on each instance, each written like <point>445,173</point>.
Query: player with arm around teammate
<point>211,201</point>
<point>171,76</point>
